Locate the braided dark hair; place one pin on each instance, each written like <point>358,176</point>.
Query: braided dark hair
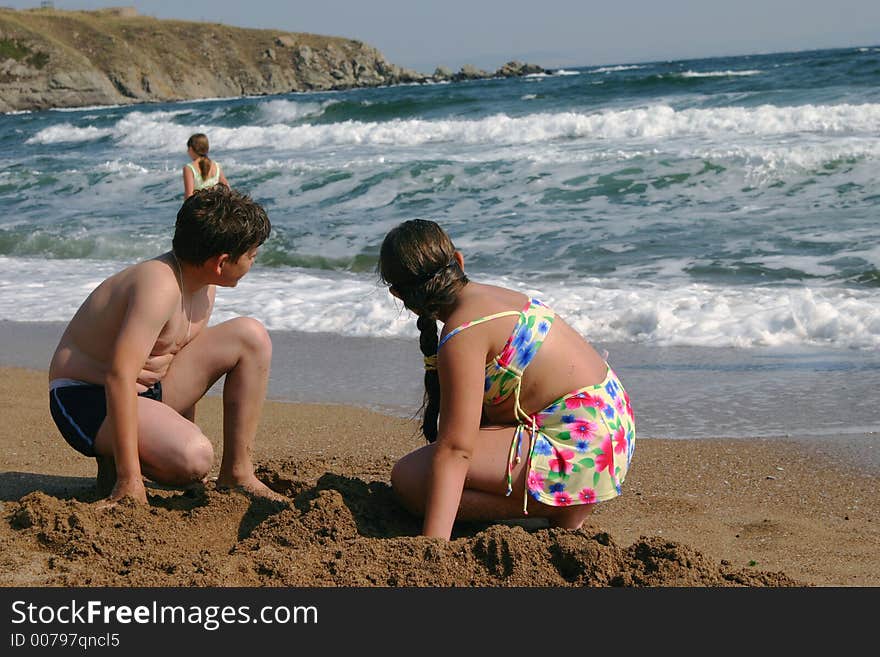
<point>431,402</point>
<point>417,260</point>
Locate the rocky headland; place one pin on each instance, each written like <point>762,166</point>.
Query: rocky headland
<point>54,58</point>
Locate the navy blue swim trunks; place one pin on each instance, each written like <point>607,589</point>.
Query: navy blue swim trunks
<point>79,409</point>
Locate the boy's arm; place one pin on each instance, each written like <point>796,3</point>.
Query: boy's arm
<point>149,309</point>
<point>462,373</point>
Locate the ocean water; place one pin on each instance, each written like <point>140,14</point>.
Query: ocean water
<point>723,212</point>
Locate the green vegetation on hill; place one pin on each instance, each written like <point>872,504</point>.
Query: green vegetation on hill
<point>11,49</point>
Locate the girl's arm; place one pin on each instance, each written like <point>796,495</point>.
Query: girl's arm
<point>222,175</point>
<point>188,183</point>
<point>462,365</point>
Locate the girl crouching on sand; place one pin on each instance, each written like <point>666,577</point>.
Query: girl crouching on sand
<point>202,172</point>
<point>531,419</point>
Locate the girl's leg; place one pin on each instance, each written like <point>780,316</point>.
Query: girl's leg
<point>484,496</point>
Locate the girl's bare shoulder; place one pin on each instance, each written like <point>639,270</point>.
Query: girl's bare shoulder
<point>482,301</point>
<point>490,299</point>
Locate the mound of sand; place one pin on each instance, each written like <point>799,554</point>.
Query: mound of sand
<point>338,530</point>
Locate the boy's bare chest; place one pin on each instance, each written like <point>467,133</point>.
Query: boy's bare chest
<point>187,322</point>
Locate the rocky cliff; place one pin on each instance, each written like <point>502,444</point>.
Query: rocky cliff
<point>54,58</point>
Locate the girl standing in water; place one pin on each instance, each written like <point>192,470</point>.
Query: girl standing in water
<point>202,171</point>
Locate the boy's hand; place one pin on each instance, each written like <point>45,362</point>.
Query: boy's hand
<point>133,488</point>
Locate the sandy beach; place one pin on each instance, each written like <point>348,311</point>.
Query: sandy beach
<point>753,512</point>
<point>698,201</point>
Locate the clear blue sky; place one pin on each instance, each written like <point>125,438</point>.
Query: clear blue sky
<point>423,34</point>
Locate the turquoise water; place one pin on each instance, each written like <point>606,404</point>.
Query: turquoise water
<point>720,201</point>
<point>726,203</point>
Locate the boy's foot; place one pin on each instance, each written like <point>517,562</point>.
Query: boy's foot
<point>252,486</point>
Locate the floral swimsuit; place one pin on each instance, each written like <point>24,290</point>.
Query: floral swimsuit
<point>580,446</point>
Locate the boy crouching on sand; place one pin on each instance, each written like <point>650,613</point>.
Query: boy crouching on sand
<point>138,355</point>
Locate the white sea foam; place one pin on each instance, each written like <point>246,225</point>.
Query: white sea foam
<point>712,316</point>
<point>84,108</point>
<point>616,69</point>
<point>716,74</point>
<point>65,132</point>
<point>284,111</point>
<point>769,157</point>
<point>154,130</point>
<point>119,165</point>
<point>603,310</point>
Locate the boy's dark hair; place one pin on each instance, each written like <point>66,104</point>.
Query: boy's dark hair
<point>218,220</point>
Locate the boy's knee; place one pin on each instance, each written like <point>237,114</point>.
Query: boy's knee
<point>255,336</point>
<point>198,457</point>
